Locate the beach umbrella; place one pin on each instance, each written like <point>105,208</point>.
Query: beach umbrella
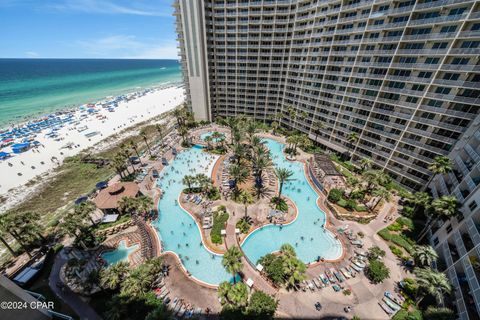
<point>81,199</point>
<point>101,185</point>
<point>4,155</point>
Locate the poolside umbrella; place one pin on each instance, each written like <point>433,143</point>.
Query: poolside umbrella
<point>4,155</point>
<point>101,185</point>
<point>81,199</point>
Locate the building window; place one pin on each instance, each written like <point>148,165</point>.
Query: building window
<point>472,205</point>
<point>449,228</point>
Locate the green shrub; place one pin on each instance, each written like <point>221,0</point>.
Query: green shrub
<point>406,222</point>
<point>395,227</point>
<point>407,211</point>
<point>396,251</point>
<point>410,287</point>
<point>350,204</point>
<point>377,271</point>
<point>335,195</point>
<point>219,219</point>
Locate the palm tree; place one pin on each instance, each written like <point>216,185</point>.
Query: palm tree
<point>133,145</point>
<point>294,270</point>
<point>113,276</point>
<point>246,198</point>
<point>238,151</point>
<point>85,209</point>
<point>352,138</point>
<point>127,205</point>
<point>144,204</point>
<point>137,283</point>
<point>144,135</point>
<point>238,295</point>
<point>188,181</point>
<point>287,250</point>
<point>208,140</point>
<point>232,261</point>
<point>222,291</point>
<point>381,193</point>
<point>118,164</point>
<point>365,164</point>
<point>432,283</point>
<point>183,132</point>
<point>204,182</point>
<point>421,199</point>
<point>231,124</point>
<point>424,255</point>
<point>283,175</point>
<point>180,115</point>
<point>159,131</point>
<point>440,165</point>
<point>251,128</point>
<point>317,126</point>
<point>126,153</point>
<point>3,233</point>
<point>445,207</point>
<point>275,126</point>
<point>239,174</point>
<point>261,163</point>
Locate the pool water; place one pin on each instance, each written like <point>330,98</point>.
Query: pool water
<point>121,253</point>
<point>180,233</point>
<point>177,230</point>
<point>203,136</point>
<point>307,233</point>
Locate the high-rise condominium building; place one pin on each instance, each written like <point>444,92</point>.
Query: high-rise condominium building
<point>403,75</point>
<point>458,241</point>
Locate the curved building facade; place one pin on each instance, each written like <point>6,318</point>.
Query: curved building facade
<point>403,75</point>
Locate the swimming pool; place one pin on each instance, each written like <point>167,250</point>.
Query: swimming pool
<point>177,230</point>
<point>306,234</point>
<point>203,136</point>
<point>121,253</point>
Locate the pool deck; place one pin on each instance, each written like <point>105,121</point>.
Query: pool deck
<point>364,298</point>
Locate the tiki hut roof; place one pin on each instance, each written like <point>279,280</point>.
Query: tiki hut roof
<point>109,197</point>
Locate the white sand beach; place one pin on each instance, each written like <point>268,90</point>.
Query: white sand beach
<point>17,170</point>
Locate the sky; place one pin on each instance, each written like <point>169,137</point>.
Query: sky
<point>130,29</point>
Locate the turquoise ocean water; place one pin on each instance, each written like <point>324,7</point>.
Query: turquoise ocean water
<point>33,87</point>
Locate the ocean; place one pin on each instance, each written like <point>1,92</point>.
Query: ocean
<point>33,87</point>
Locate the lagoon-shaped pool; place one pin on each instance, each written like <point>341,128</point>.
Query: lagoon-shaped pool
<point>203,136</point>
<point>120,254</point>
<point>180,233</point>
<point>307,233</point>
<point>177,230</point>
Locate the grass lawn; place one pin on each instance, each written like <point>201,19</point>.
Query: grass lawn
<point>40,285</point>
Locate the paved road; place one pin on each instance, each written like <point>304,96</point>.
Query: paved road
<point>81,308</point>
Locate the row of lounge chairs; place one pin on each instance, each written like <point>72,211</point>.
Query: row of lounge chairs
<point>354,239</point>
<point>207,219</point>
<point>335,276</point>
<point>391,303</point>
<point>179,308</point>
<point>193,198</point>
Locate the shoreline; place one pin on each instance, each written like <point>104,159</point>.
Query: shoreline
<point>23,172</point>
<point>24,120</point>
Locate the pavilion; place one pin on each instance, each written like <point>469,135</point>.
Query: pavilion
<point>107,199</point>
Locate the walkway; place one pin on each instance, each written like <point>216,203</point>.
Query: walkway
<point>248,271</point>
<point>83,310</point>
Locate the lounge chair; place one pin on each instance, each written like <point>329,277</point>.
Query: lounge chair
<point>386,308</point>
<point>392,305</point>
<point>345,273</point>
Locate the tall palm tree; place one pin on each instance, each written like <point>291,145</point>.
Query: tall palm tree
<point>275,125</point>
<point>239,174</point>
<point>238,151</point>
<point>127,205</point>
<point>85,209</point>
<point>232,261</point>
<point>365,164</point>
<point>144,135</point>
<point>231,123</point>
<point>238,295</point>
<point>126,153</point>
<point>424,255</point>
<point>160,132</point>
<point>208,140</point>
<point>3,232</point>
<point>133,145</point>
<point>138,283</point>
<point>113,276</point>
<point>440,165</point>
<point>352,138</point>
<point>246,199</point>
<point>118,164</point>
<point>144,204</point>
<point>183,132</point>
<point>382,194</point>
<point>445,207</point>
<point>283,175</point>
<point>317,127</point>
<point>294,270</point>
<point>188,180</point>
<point>251,128</point>
<point>433,283</point>
<point>204,182</point>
